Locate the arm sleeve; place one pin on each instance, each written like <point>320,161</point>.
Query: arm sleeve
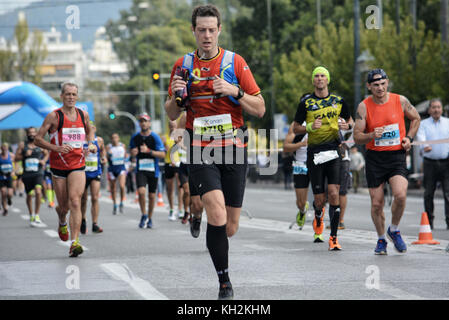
<point>300,115</point>
<point>344,113</point>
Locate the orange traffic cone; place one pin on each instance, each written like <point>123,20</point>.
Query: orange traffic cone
<point>425,234</point>
<point>160,201</point>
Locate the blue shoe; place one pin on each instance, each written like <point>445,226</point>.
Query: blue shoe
<point>399,244</point>
<point>150,224</point>
<point>143,219</point>
<point>381,247</point>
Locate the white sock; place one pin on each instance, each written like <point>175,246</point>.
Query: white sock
<point>394,228</point>
<point>382,237</point>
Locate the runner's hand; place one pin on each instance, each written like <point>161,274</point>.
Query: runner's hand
<point>144,148</point>
<point>92,148</point>
<point>406,144</point>
<point>378,132</point>
<point>65,148</point>
<point>317,123</point>
<point>177,84</point>
<point>342,124</point>
<point>223,87</point>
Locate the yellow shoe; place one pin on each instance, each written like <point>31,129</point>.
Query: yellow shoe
<point>75,249</point>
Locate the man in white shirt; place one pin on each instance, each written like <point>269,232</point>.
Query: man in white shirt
<point>436,157</point>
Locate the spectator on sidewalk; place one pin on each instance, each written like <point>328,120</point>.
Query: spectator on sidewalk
<point>436,157</point>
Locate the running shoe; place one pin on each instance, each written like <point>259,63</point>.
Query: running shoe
<point>120,207</point>
<point>149,224</point>
<point>32,219</point>
<point>333,244</point>
<point>300,219</point>
<point>381,247</point>
<point>171,215</point>
<point>143,219</point>
<point>114,210</point>
<point>75,249</point>
<point>195,226</point>
<point>37,220</point>
<point>395,236</point>
<point>318,224</point>
<point>9,201</point>
<point>226,292</point>
<point>83,228</point>
<point>5,212</point>
<point>180,214</point>
<point>63,233</point>
<point>96,228</point>
<point>185,218</point>
<point>318,238</point>
<point>341,226</point>
<point>51,205</point>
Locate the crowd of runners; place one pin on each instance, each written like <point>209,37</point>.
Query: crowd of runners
<point>204,154</point>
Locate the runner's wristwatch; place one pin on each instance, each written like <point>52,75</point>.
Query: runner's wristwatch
<point>240,94</point>
<point>410,138</point>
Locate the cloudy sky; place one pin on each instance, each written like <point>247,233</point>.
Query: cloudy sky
<point>10,5</point>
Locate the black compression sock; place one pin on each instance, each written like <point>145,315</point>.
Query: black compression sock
<point>218,245</point>
<point>334,216</point>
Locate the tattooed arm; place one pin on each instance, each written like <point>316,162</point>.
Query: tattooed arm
<point>413,115</point>
<point>360,137</point>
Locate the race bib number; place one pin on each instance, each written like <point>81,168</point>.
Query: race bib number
<point>213,125</point>
<point>91,162</point>
<point>146,165</point>
<point>75,137</point>
<point>299,168</point>
<point>6,168</point>
<point>32,165</point>
<point>118,161</point>
<point>390,137</point>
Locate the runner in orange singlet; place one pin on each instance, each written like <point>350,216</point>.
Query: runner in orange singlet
<point>221,87</point>
<point>380,125</point>
<point>68,127</point>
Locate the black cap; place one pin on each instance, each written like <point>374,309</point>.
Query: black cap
<point>372,73</point>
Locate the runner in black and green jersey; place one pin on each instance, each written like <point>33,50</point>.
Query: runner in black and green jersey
<point>324,114</point>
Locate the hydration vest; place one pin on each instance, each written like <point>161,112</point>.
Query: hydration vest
<point>227,72</point>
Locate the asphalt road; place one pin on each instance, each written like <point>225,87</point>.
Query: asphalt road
<point>268,260</point>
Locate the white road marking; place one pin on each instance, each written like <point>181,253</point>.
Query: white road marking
<point>120,271</point>
<point>27,218</point>
<point>16,210</point>
<point>349,235</point>
<point>51,233</point>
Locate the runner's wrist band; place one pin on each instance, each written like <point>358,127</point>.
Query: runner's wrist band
<point>410,138</point>
<point>309,127</point>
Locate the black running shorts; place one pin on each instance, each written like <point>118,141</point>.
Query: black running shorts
<point>144,178</point>
<point>301,181</point>
<point>30,182</point>
<point>228,176</point>
<point>382,165</point>
<point>319,173</point>
<point>170,171</point>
